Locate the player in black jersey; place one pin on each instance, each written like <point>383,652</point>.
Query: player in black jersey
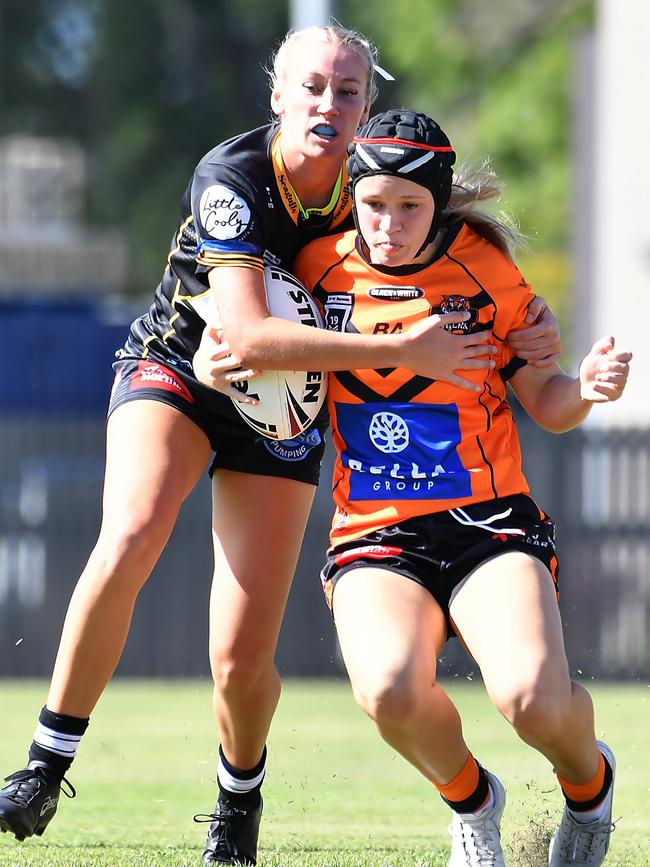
<point>254,199</point>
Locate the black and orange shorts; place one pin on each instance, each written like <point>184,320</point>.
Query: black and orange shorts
<point>438,551</point>
<point>236,446</point>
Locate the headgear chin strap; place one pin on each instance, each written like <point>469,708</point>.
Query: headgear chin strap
<point>405,144</point>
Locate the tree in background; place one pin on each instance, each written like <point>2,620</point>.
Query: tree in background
<point>500,76</point>
<point>148,87</point>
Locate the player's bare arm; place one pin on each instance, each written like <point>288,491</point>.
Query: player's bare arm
<point>264,342</point>
<point>559,402</point>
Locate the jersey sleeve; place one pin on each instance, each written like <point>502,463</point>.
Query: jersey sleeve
<point>226,215</point>
<point>512,316</point>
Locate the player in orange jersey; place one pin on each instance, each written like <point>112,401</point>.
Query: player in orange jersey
<point>435,532</point>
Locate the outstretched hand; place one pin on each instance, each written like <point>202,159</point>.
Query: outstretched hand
<point>436,352</point>
<point>604,372</point>
<point>538,342</point>
<point>215,366</point>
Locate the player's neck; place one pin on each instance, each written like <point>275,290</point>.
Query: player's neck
<point>313,180</point>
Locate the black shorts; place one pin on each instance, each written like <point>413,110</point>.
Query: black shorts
<point>438,552</point>
<point>236,445</point>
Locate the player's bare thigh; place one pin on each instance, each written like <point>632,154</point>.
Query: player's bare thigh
<point>507,615</point>
<point>154,458</point>
<point>258,528</point>
<point>390,629</point>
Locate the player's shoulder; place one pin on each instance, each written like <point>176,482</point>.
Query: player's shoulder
<point>242,162</point>
<point>250,145</point>
<point>483,257</point>
<point>322,253</point>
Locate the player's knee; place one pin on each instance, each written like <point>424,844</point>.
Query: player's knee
<point>390,702</point>
<point>125,555</point>
<point>238,675</point>
<point>537,715</point>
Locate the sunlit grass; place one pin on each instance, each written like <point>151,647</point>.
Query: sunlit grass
<point>335,794</point>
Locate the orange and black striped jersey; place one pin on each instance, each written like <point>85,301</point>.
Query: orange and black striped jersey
<point>407,445</point>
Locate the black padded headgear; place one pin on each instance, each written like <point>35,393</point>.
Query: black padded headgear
<point>405,144</point>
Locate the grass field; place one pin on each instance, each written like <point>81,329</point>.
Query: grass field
<point>336,796</point>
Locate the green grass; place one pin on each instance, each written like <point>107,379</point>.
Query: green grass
<point>336,796</point>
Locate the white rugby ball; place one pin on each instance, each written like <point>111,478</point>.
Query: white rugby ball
<point>289,400</point>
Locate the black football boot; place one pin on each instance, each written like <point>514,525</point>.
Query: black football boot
<point>29,801</point>
<point>232,838</point>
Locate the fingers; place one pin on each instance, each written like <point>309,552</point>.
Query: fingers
<point>603,392</point>
<point>478,338</point>
<point>604,345</point>
<point>616,367</point>
<point>454,379</point>
<point>221,363</point>
<point>619,357</point>
<point>453,318</point>
<point>239,396</point>
<point>241,375</point>
<point>473,364</point>
<point>536,306</point>
<point>221,349</point>
<point>545,361</point>
<point>525,339</point>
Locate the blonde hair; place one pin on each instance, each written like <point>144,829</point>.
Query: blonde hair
<point>335,33</point>
<point>471,185</point>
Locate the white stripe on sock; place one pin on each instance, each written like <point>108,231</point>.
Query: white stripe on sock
<point>57,742</point>
<point>235,784</point>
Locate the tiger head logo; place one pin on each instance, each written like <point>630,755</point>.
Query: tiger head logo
<point>457,304</point>
<point>454,304</point>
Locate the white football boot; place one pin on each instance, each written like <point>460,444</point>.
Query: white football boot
<point>476,841</point>
<point>584,843</point>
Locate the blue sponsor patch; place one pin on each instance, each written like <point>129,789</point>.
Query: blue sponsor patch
<point>295,449</point>
<point>403,451</point>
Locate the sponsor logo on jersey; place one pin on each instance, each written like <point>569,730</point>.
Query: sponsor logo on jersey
<point>396,293</point>
<point>458,304</point>
<point>338,310</point>
<point>402,451</point>
<point>289,196</point>
<point>344,205</point>
<point>152,375</point>
<point>388,432</point>
<point>295,449</point>
<point>271,258</point>
<point>224,215</point>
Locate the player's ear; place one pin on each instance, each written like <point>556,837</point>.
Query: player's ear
<point>276,102</point>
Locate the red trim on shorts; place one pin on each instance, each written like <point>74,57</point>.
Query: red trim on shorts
<point>150,374</point>
<point>370,552</point>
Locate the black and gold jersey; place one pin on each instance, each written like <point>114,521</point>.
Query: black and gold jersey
<point>239,209</point>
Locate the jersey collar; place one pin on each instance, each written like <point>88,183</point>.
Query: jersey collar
<point>339,205</point>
